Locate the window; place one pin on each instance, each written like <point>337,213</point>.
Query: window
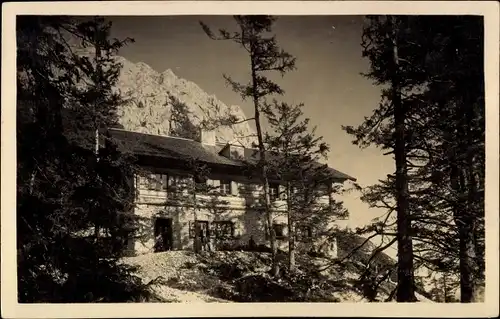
<point>223,229</point>
<point>225,187</point>
<point>177,183</point>
<point>274,191</point>
<point>200,226</point>
<point>156,182</point>
<point>303,232</point>
<point>279,230</point>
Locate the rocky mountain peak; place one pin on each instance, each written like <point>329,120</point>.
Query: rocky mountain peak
<point>151,95</point>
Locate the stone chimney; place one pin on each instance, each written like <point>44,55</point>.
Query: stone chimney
<point>207,137</point>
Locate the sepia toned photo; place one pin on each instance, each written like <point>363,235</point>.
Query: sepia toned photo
<point>229,158</point>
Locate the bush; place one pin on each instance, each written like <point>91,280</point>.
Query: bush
<point>261,288</point>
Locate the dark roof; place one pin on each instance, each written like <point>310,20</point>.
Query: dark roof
<point>184,149</point>
<point>167,147</point>
<point>251,155</point>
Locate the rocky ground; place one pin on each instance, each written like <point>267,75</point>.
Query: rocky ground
<point>181,276</point>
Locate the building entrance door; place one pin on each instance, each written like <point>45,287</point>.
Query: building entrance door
<point>163,234</point>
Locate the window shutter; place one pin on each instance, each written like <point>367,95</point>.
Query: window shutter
<point>191,229</point>
<point>140,181</point>
<point>233,188</point>
<point>215,185</point>
<point>164,182</point>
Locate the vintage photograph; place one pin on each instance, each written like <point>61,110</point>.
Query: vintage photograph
<point>250,158</point>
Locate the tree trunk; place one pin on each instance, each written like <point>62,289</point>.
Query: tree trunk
<point>197,229</point>
<point>445,289</point>
<point>463,183</point>
<point>468,245</point>
<point>97,82</point>
<point>465,234</point>
<point>269,217</point>
<point>264,177</point>
<point>467,258</point>
<point>479,251</point>
<point>97,143</point>
<point>405,290</point>
<point>291,231</point>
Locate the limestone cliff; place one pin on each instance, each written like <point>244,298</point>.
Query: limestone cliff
<point>150,95</point>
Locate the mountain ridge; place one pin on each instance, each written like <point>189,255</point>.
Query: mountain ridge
<point>150,95</point>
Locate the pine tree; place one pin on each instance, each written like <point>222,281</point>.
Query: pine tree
<point>444,142</point>
<point>444,288</point>
<point>180,125</point>
<point>457,123</point>
<point>66,188</point>
<point>265,56</point>
<point>296,154</point>
<point>382,44</point>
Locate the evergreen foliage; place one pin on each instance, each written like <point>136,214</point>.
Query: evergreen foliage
<point>254,36</point>
<point>296,154</point>
<point>438,85</point>
<point>72,197</point>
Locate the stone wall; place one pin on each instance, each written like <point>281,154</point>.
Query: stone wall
<point>241,208</point>
<point>247,224</point>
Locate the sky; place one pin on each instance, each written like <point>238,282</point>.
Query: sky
<point>327,80</point>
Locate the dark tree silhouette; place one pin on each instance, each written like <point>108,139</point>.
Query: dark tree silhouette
<point>443,139</point>
<point>381,44</point>
<point>73,195</point>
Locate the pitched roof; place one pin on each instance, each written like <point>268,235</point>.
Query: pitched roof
<point>167,147</point>
<point>251,155</point>
<point>185,149</point>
